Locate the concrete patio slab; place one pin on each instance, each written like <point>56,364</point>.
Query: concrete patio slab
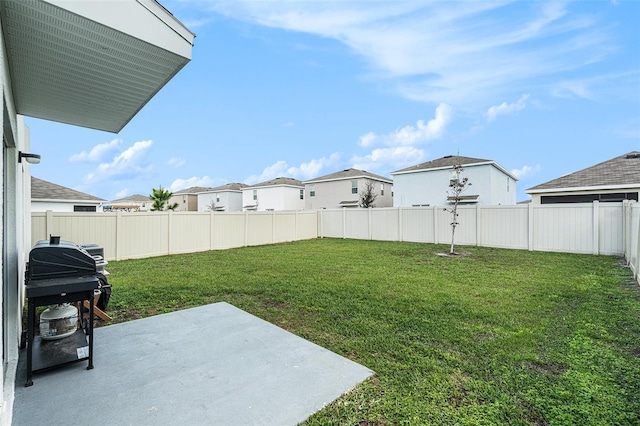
<point>213,365</point>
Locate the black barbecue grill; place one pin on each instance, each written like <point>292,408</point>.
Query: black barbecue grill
<point>61,272</point>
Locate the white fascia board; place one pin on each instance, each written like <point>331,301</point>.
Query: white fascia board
<point>385,180</point>
<point>633,187</point>
<point>57,200</point>
<point>282,185</point>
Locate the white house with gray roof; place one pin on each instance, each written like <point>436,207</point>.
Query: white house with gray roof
<point>132,203</point>
<point>427,184</point>
<point>187,199</point>
<point>224,198</point>
<point>343,189</point>
<point>49,196</point>
<point>281,193</point>
<point>613,180</point>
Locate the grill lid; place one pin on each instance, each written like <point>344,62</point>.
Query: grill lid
<point>65,259</point>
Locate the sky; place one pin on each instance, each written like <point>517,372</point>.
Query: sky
<point>306,88</point>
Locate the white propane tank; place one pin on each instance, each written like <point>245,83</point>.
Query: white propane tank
<point>58,321</point>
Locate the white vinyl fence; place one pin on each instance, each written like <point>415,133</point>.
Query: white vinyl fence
<point>597,228</point>
<point>139,235</point>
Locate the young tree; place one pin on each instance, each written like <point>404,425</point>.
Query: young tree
<point>160,197</point>
<point>456,188</point>
<point>368,195</point>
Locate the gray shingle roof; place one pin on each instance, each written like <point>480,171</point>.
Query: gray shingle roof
<point>446,161</point>
<point>192,190</point>
<point>228,187</point>
<point>43,190</point>
<point>135,198</point>
<point>622,170</point>
<point>349,174</point>
<point>277,182</point>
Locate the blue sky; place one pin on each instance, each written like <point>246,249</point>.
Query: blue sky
<point>306,88</point>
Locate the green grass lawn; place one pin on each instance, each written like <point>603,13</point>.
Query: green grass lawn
<point>493,337</point>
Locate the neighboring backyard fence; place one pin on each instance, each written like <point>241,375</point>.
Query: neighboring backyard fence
<point>597,228</point>
<point>140,235</point>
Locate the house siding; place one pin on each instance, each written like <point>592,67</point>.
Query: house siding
<point>230,200</point>
<point>329,195</point>
<point>274,198</point>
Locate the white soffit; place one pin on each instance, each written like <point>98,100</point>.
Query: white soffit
<point>68,68</point>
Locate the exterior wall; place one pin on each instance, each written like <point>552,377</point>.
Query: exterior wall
<point>186,202</point>
<point>328,195</point>
<point>231,201</point>
<point>430,187</point>
<point>15,180</point>
<point>60,206</point>
<point>277,198</point>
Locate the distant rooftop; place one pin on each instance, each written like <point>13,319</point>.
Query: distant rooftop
<point>451,160</point>
<point>618,171</point>
<point>135,198</point>
<point>235,186</point>
<point>278,182</point>
<point>193,190</point>
<point>43,190</point>
<point>349,174</point>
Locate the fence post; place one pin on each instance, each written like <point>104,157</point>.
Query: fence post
<point>478,225</point>
<point>596,227</point>
<point>211,232</point>
<point>295,231</point>
<point>119,237</point>
<point>369,220</point>
<point>530,226</point>
<point>400,225</point>
<point>273,226</point>
<point>48,227</point>
<point>169,232</point>
<point>435,224</point>
<point>321,224</point>
<point>246,227</point>
<point>344,222</point>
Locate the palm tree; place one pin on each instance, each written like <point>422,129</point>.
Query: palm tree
<point>160,197</point>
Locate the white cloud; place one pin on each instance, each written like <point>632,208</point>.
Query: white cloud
<point>98,152</point>
<point>368,139</point>
<point>204,181</point>
<point>526,171</point>
<point>176,162</point>
<point>505,108</point>
<point>304,171</point>
<point>122,193</point>
<point>127,165</point>
<point>455,52</point>
<point>385,158</point>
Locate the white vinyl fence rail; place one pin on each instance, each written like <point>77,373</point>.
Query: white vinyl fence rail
<point>597,228</point>
<point>139,235</point>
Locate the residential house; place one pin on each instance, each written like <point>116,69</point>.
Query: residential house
<point>427,184</point>
<point>225,198</point>
<point>89,64</point>
<point>343,189</point>
<point>187,199</point>
<point>281,193</point>
<point>613,180</point>
<point>49,196</point>
<point>132,203</point>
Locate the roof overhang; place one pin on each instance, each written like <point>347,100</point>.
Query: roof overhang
<point>93,63</point>
<point>384,180</point>
<point>632,187</point>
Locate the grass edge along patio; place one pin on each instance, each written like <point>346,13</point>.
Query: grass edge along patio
<point>494,337</point>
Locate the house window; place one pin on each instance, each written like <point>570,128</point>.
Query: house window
<point>381,188</point>
<point>217,198</point>
<point>84,208</point>
<point>354,186</point>
<point>302,194</point>
<point>312,191</point>
<point>255,194</point>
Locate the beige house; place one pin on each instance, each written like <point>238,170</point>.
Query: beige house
<point>613,180</point>
<point>187,199</point>
<point>132,203</point>
<point>343,189</point>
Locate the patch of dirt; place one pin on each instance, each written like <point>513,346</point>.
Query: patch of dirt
<point>454,254</point>
<point>553,368</point>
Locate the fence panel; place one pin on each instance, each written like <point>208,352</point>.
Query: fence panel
<point>259,228</point>
<point>610,229</point>
<point>563,228</point>
<point>307,225</point>
<point>331,225</point>
<point>504,226</point>
<point>284,227</point>
<point>384,224</point>
<point>228,230</point>
<point>417,224</point>
<point>190,232</point>
<point>141,235</point>
<point>357,224</point>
